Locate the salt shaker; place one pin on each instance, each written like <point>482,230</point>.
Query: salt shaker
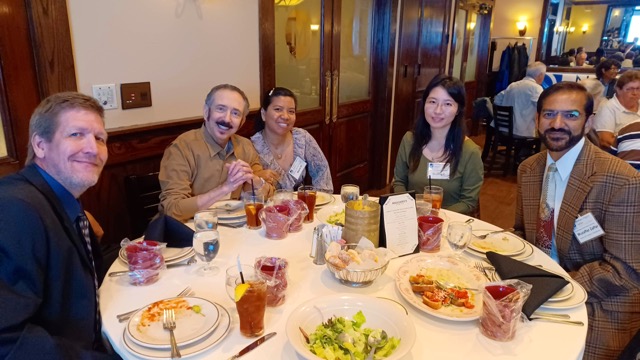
<point>318,245</point>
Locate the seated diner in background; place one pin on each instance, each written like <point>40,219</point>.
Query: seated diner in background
<point>628,144</point>
<point>620,110</point>
<point>606,72</point>
<point>211,163</point>
<point>438,148</point>
<point>286,152</point>
<point>574,179</point>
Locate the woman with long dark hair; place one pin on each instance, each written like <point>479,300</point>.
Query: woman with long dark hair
<point>438,148</point>
<point>280,145</point>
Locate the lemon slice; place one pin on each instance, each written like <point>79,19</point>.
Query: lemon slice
<point>240,290</point>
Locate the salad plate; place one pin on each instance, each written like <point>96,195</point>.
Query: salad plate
<point>186,351</point>
<point>524,255</point>
<point>145,326</point>
<point>233,215</point>
<point>446,270</point>
<point>502,243</point>
<point>576,298</point>
<point>329,212</point>
<point>171,255</point>
<point>379,313</point>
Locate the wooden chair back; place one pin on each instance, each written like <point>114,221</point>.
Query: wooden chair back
<point>143,197</point>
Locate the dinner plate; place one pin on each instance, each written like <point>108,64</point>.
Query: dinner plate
<point>327,211</point>
<point>146,329</point>
<point>171,255</point>
<point>322,198</point>
<point>564,293</point>
<point>227,206</point>
<point>524,255</point>
<point>503,243</point>
<point>232,215</point>
<point>445,269</point>
<point>380,314</point>
<point>577,298</point>
<point>186,351</point>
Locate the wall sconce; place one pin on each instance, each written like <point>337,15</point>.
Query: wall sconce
<point>585,27</point>
<point>522,27</point>
<point>314,27</point>
<point>472,26</point>
<point>288,2</point>
<point>572,29</point>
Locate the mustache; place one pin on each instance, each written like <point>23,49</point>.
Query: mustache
<point>224,123</point>
<point>557,131</point>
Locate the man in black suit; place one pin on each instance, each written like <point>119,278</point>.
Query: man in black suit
<point>49,259</point>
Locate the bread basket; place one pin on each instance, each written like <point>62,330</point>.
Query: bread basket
<point>358,277</point>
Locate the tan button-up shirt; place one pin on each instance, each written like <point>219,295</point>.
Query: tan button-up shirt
<point>194,164</point>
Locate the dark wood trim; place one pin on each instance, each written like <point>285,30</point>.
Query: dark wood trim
<point>267,51</point>
<point>484,44</point>
<point>605,2</point>
<point>542,38</point>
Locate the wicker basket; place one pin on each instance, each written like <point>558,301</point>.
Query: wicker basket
<point>357,277</point>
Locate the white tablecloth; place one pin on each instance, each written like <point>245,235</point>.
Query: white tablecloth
<point>436,338</point>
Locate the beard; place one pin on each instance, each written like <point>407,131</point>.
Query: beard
<point>555,145</point>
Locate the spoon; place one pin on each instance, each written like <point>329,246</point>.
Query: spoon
<point>346,338</point>
<point>377,338</point>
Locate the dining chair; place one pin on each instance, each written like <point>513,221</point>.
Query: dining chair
<point>513,146</point>
<point>143,197</point>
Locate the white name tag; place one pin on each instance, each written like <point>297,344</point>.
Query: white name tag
<point>587,228</point>
<point>438,171</point>
<point>297,167</point>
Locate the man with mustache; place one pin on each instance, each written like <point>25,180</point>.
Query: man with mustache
<point>573,179</point>
<point>211,163</point>
<point>50,261</point>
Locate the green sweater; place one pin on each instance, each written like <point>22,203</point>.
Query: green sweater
<point>461,191</point>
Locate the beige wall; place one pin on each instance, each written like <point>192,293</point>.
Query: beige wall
<point>506,14</point>
<point>594,18</point>
<point>182,55</point>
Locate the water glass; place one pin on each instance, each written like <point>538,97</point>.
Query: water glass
<point>458,237</point>
<point>205,220</point>
<point>349,192</point>
<point>206,245</point>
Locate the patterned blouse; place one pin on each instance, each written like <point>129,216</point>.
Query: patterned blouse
<point>305,147</point>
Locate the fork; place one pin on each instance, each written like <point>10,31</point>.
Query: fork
<point>125,316</point>
<point>169,323</point>
<point>484,236</point>
<point>478,265</point>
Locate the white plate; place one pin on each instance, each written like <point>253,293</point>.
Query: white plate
<point>190,327</point>
<point>322,198</point>
<point>232,215</point>
<point>171,255</point>
<point>227,206</point>
<point>524,255</point>
<point>564,293</point>
<point>188,350</point>
<point>324,213</point>
<point>503,243</point>
<point>445,269</point>
<point>578,298</point>
<point>380,314</point>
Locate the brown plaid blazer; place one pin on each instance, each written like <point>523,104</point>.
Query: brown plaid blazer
<point>608,267</point>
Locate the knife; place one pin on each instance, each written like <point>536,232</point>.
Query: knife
<point>253,345</point>
<point>169,266</point>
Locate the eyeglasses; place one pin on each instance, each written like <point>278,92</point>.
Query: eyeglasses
<point>566,114</point>
<point>632,89</point>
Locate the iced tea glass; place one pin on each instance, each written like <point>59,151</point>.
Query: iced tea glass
<point>251,306</point>
<point>433,194</point>
<point>308,194</point>
<point>253,203</point>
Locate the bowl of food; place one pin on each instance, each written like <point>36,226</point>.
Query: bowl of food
<point>323,320</point>
<point>355,267</point>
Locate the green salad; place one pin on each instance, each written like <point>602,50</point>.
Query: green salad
<point>337,218</point>
<point>325,344</point>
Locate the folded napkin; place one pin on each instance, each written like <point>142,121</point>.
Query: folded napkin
<point>169,230</point>
<point>545,284</point>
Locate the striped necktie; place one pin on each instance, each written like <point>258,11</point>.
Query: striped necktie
<point>545,229</point>
<point>83,224</point>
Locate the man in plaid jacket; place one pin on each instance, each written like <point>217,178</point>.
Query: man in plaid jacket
<point>588,182</point>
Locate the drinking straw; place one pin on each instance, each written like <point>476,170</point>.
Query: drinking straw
<point>430,182</point>
<point>240,269</point>
<point>253,190</point>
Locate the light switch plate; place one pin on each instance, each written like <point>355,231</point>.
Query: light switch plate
<point>135,95</point>
<point>106,95</point>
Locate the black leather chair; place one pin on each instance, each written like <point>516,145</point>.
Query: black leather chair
<point>143,197</point>
<point>506,143</point>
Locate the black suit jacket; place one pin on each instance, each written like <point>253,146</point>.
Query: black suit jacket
<point>47,294</point>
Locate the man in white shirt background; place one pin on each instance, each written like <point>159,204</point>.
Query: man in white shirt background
<point>622,109</point>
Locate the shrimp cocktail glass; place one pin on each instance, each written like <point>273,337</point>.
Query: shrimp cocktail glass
<point>251,301</point>
<point>433,194</point>
<point>308,194</point>
<point>253,203</point>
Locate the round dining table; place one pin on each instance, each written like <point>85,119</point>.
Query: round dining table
<point>436,338</point>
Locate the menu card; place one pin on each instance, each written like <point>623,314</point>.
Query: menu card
<point>398,225</point>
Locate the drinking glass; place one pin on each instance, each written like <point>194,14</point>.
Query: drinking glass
<point>206,244</point>
<point>251,306</point>
<point>308,194</point>
<point>458,237</point>
<point>206,220</point>
<point>349,192</point>
<point>433,194</point>
<point>232,275</point>
<point>253,203</point>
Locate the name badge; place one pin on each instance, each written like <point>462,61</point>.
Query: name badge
<point>438,171</point>
<point>587,228</point>
<point>297,167</point>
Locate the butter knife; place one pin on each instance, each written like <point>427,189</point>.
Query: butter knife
<point>253,345</point>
